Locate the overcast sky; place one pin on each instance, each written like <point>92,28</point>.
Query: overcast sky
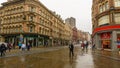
<point>79,9</point>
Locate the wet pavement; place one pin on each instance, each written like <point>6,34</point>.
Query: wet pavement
<point>58,57</point>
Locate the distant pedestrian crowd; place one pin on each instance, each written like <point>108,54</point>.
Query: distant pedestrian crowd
<point>8,46</point>
<point>84,46</point>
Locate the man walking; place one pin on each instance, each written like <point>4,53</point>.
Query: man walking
<point>86,46</point>
<point>71,50</point>
<point>2,49</point>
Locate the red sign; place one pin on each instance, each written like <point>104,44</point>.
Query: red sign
<point>118,38</point>
<point>118,46</point>
<point>105,28</point>
<point>105,35</point>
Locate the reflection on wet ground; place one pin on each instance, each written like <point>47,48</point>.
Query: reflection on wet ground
<point>59,59</point>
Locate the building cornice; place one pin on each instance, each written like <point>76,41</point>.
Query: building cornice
<point>11,2</point>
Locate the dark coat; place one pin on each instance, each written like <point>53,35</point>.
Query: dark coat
<point>71,47</point>
<point>2,48</point>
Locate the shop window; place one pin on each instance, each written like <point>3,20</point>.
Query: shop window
<point>105,40</point>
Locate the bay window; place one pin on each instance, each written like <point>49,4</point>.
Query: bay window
<point>103,20</point>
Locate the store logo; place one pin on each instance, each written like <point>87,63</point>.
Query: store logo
<point>105,35</point>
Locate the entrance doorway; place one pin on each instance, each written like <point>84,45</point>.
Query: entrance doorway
<point>106,44</point>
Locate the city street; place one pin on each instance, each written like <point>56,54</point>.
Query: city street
<point>36,33</point>
<point>58,57</point>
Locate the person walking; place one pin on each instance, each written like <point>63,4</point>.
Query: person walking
<point>86,46</point>
<point>20,44</point>
<point>83,46</point>
<point>2,49</point>
<point>71,50</point>
<point>9,46</point>
<point>28,46</point>
<point>93,47</point>
<point>23,47</point>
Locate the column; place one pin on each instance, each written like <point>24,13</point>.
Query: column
<point>97,41</point>
<point>36,41</point>
<point>24,40</point>
<point>114,39</point>
<point>13,40</point>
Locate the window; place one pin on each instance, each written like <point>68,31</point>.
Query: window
<point>20,28</point>
<point>100,9</point>
<point>117,3</point>
<point>40,11</point>
<point>42,21</point>
<point>32,9</point>
<point>106,5</point>
<point>16,29</point>
<point>31,18</point>
<point>103,7</point>
<point>31,29</point>
<point>40,29</point>
<point>103,20</point>
<point>117,18</point>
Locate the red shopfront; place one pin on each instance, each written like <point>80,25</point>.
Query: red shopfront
<point>118,40</point>
<point>106,40</point>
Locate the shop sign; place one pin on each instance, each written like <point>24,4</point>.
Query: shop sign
<point>118,46</point>
<point>105,36</point>
<point>118,42</point>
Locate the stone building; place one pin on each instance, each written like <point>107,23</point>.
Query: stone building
<point>30,21</point>
<point>71,21</point>
<point>68,33</point>
<point>106,23</point>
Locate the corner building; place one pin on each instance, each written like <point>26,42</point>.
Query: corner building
<point>30,21</point>
<point>106,24</point>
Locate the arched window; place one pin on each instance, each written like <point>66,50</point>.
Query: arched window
<point>39,29</point>
<point>106,5</point>
<point>103,6</point>
<point>20,28</point>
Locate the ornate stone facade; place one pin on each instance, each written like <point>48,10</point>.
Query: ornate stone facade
<point>30,21</point>
<point>106,23</point>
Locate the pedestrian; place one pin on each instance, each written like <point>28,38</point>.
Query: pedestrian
<point>83,46</point>
<point>93,47</point>
<point>2,49</point>
<point>23,47</point>
<point>71,50</point>
<point>86,46</point>
<point>45,44</point>
<point>13,45</point>
<point>9,46</point>
<point>28,46</point>
<point>20,44</point>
